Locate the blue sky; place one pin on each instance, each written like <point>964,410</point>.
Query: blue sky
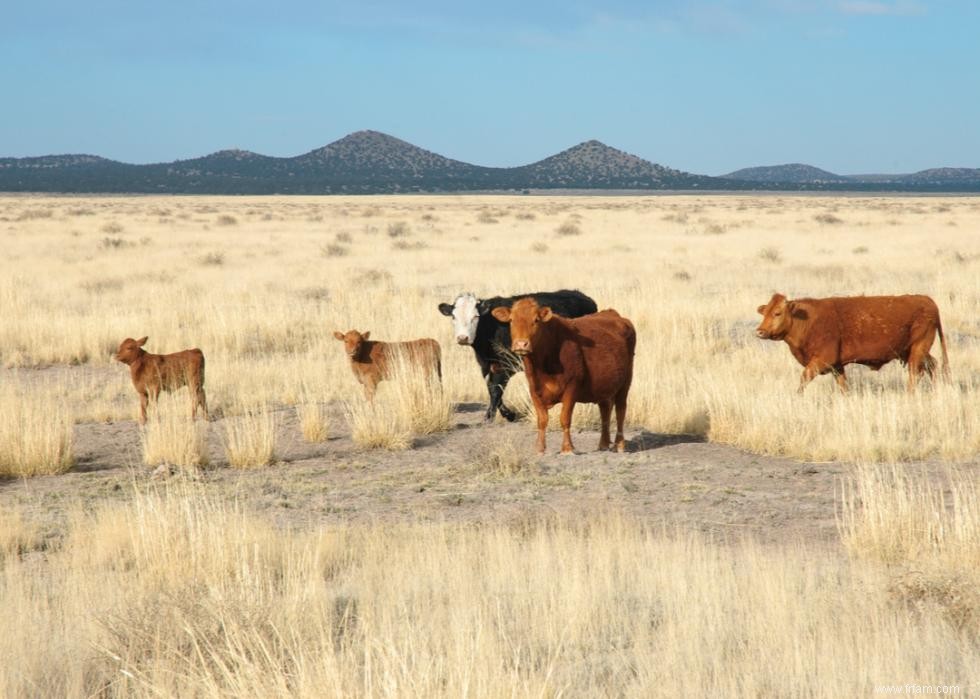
<point>853,86</point>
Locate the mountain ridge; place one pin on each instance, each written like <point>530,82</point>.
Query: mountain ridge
<point>368,161</point>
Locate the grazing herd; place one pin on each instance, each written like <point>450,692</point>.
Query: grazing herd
<point>572,353</point>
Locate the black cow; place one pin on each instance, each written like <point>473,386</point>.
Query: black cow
<point>474,325</point>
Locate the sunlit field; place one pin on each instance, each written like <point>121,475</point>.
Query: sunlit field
<point>260,284</point>
<point>463,564</point>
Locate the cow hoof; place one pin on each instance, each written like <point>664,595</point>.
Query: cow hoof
<point>508,415</point>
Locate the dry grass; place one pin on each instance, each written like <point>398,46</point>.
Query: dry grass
<point>35,433</point>
<point>250,437</point>
<point>699,367</point>
<point>176,595</point>
<point>313,421</point>
<point>412,403</point>
<point>170,436</point>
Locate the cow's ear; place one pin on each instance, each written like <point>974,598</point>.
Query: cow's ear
<point>142,341</point>
<point>761,310</point>
<point>446,309</point>
<point>482,307</point>
<point>501,313</point>
<point>365,335</point>
<point>339,335</point>
<point>796,311</point>
<point>545,314</point>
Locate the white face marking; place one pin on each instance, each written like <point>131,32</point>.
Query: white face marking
<point>466,315</point>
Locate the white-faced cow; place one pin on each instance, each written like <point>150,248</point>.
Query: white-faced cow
<point>474,325</point>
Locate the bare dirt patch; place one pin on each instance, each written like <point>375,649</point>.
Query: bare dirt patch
<point>678,480</point>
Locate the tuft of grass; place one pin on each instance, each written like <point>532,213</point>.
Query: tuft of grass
<point>771,254</point>
<point>213,259</point>
<point>313,422</point>
<point>568,228</point>
<point>226,220</point>
<point>36,433</point>
<point>539,247</point>
<point>334,250</point>
<point>171,437</point>
<point>502,457</point>
<point>112,228</point>
<point>250,438</point>
<point>827,219</point>
<point>398,229</point>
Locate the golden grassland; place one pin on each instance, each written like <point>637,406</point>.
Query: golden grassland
<point>175,594</point>
<point>260,284</point>
<point>179,592</point>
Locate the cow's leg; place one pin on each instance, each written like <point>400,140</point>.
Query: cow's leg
<point>605,410</point>
<point>841,378</point>
<point>620,419</point>
<point>542,425</point>
<point>144,399</point>
<point>202,401</point>
<point>915,367</point>
<point>567,406</point>
<point>811,371</point>
<point>369,388</point>
<point>499,377</point>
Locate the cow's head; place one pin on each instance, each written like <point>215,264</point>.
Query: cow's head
<point>777,318</point>
<point>526,318</point>
<point>465,312</point>
<point>129,350</point>
<point>353,341</point>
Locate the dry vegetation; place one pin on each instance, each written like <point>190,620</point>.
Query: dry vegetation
<point>174,591</point>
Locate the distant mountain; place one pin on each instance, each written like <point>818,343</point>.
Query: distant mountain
<point>594,165</point>
<point>794,173</point>
<point>368,162</point>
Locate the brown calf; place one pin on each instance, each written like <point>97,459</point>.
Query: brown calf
<point>826,334</point>
<point>580,360</point>
<point>152,373</point>
<point>373,361</point>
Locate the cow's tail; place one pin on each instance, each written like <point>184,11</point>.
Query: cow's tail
<point>942,344</point>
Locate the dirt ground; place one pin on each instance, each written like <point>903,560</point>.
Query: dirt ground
<point>677,480</point>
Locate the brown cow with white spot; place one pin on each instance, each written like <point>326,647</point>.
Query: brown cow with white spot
<point>825,335</point>
<point>373,361</point>
<point>573,360</point>
<point>152,373</point>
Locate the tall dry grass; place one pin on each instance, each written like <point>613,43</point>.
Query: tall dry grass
<point>179,595</point>
<point>35,433</point>
<point>412,403</point>
<point>170,436</point>
<point>927,533</point>
<point>686,270</point>
<point>250,437</point>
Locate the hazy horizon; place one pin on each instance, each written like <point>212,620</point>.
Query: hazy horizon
<point>852,87</point>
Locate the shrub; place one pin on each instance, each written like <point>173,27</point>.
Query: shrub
<point>250,438</point>
<point>568,228</point>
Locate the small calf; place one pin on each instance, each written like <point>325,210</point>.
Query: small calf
<point>152,373</point>
<point>372,361</point>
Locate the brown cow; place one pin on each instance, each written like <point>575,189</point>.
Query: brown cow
<point>827,334</point>
<point>372,361</point>
<point>152,373</point>
<point>573,360</point>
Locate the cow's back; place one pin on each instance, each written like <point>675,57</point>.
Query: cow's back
<point>606,343</point>
<point>878,329</point>
<point>180,368</point>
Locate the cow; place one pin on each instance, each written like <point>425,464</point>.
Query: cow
<point>474,325</point>
<point>827,334</point>
<point>152,373</point>
<point>373,361</point>
<point>573,360</point>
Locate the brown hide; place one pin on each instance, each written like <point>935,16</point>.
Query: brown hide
<point>827,334</point>
<point>568,361</point>
<point>373,361</point>
<point>152,373</point>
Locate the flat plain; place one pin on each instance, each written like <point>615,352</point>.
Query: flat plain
<point>363,550</point>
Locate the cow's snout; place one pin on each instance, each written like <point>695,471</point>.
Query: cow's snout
<point>521,347</point>
<point>463,339</point>
<point>761,334</point>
